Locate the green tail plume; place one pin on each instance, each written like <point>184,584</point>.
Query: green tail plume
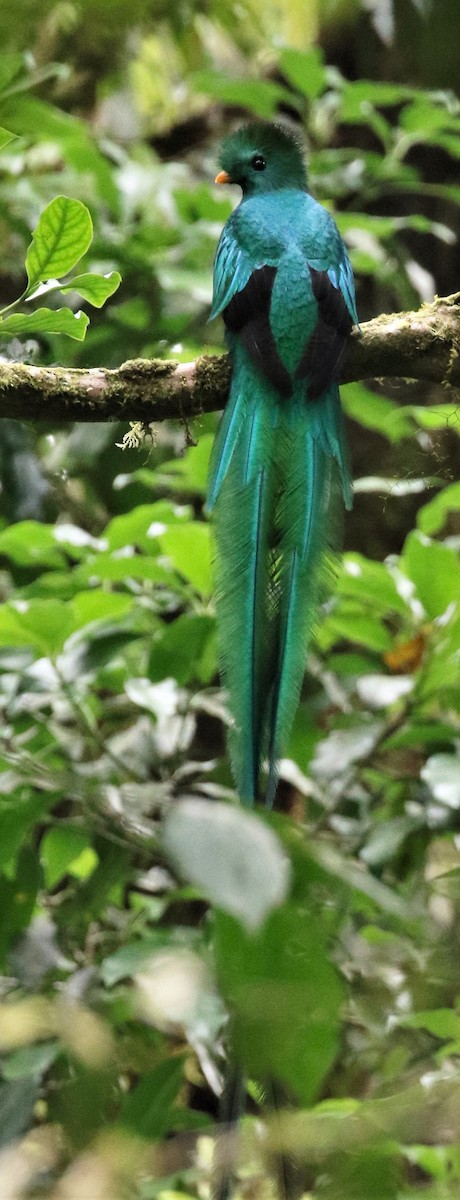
<point>278,466</point>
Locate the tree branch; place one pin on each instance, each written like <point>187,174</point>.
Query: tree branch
<point>420,345</point>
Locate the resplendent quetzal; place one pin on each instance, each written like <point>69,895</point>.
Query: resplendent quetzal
<point>284,284</point>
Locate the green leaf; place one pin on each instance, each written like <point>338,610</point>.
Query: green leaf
<point>43,624</point>
<point>141,526</point>
<point>371,583</point>
<point>188,547</point>
<point>17,815</point>
<point>17,1099</point>
<point>305,70</point>
<point>31,544</point>
<point>62,236</point>
<point>148,1109</point>
<point>94,288</point>
<point>260,96</point>
<point>95,605</point>
<point>284,996</point>
<point>30,1061</point>
<point>185,649</point>
<point>435,571</point>
<point>431,518</point>
<point>441,1022</point>
<point>59,848</point>
<point>358,97</point>
<point>376,412</point>
<point>5,137</point>
<point>46,320</point>
<point>231,855</point>
<point>186,474</point>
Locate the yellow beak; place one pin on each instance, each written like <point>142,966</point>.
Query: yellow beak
<point>222,177</point>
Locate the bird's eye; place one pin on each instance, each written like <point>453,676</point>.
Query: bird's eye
<point>258,163</point>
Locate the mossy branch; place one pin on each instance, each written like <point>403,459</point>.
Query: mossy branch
<point>420,345</point>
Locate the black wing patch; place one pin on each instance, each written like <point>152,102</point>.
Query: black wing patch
<point>248,314</point>
<point>321,358</point>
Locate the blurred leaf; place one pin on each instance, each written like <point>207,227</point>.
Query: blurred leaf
<point>186,649</point>
<point>188,547</point>
<point>30,1061</point>
<point>441,773</point>
<point>305,70</point>
<point>149,1109</point>
<point>441,1022</point>
<point>59,848</point>
<point>435,572</point>
<point>231,855</point>
<point>61,238</point>
<point>5,137</point>
<point>31,544</point>
<point>259,96</point>
<point>358,97</point>
<point>376,412</point>
<point>43,624</point>
<point>431,518</point>
<point>285,998</point>
<point>17,1100</point>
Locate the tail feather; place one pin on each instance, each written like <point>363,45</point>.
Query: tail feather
<point>243,520</point>
<point>278,464</point>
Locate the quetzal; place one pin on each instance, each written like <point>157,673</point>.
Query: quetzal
<point>284,285</point>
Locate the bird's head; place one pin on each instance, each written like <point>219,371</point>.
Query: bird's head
<point>262,157</point>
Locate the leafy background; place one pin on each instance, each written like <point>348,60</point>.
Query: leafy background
<point>139,905</point>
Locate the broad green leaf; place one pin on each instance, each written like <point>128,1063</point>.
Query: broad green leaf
<point>46,320</point>
<point>17,1100</point>
<point>305,70</point>
<point>376,412</point>
<point>148,1109</point>
<point>131,566</point>
<point>95,605</point>
<point>441,1022</point>
<point>284,995</point>
<point>186,649</point>
<point>435,571</point>
<point>386,839</point>
<point>59,849</point>
<point>30,1061</point>
<point>371,583</point>
<point>142,526</point>
<point>62,236</point>
<point>94,288</point>
<point>35,119</point>
<point>188,548</point>
<point>43,624</point>
<point>31,545</point>
<point>260,96</point>
<point>437,416</point>
<point>358,97</point>
<point>5,137</point>
<point>354,624</point>
<point>18,814</point>
<point>431,518</point>
<point>231,855</point>
<point>189,473</point>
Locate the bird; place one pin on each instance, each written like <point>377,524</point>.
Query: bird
<point>279,473</point>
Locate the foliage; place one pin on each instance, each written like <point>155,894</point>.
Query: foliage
<point>139,905</point>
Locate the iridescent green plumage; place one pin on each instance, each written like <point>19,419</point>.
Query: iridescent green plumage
<point>283,281</point>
